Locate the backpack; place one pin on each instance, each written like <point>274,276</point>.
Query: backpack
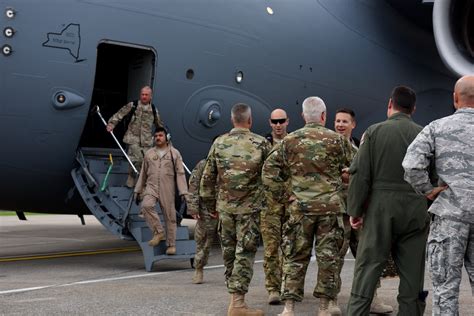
<point>126,120</point>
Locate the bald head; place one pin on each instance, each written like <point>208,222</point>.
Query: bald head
<point>464,92</point>
<point>279,122</point>
<point>278,114</point>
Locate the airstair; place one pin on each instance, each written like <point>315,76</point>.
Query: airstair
<point>111,202</point>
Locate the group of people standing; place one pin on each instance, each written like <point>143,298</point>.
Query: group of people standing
<point>318,187</point>
<point>314,187</point>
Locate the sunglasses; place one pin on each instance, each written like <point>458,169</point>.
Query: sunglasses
<point>276,121</point>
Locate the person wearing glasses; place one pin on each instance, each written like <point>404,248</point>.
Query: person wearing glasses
<point>272,218</point>
<point>278,122</point>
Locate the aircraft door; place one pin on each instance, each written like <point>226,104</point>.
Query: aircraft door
<point>121,70</point>
<point>140,73</point>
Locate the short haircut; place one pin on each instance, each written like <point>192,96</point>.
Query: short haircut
<point>147,88</point>
<point>348,111</point>
<point>161,129</point>
<point>403,99</point>
<point>241,113</point>
<point>313,107</point>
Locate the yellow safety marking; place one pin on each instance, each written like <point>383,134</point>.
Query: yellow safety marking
<point>70,254</point>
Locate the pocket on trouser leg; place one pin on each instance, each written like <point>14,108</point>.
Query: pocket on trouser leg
<point>437,249</point>
<point>346,235</point>
<point>251,237</point>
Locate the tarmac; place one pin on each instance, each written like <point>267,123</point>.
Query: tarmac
<point>52,265</point>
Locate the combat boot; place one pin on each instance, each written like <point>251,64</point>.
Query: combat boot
<point>237,307</point>
<point>324,307</point>
<point>379,307</point>
<point>157,237</point>
<point>198,276</point>
<point>289,309</point>
<point>171,250</point>
<point>333,308</point>
<point>274,298</point>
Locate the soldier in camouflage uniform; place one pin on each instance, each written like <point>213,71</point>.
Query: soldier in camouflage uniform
<point>206,225</point>
<point>233,169</point>
<point>139,134</point>
<point>394,217</point>
<point>273,217</point>
<point>311,159</point>
<point>451,240</point>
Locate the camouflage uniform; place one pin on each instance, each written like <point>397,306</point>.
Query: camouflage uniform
<point>451,240</point>
<point>139,134</point>
<point>311,159</point>
<point>271,222</point>
<point>395,217</point>
<point>233,168</point>
<point>206,226</point>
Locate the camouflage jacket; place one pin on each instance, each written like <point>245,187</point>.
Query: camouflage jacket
<point>140,128</point>
<point>312,159</point>
<point>194,201</point>
<point>233,168</point>
<point>450,141</point>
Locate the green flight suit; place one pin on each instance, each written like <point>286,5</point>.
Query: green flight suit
<point>395,217</point>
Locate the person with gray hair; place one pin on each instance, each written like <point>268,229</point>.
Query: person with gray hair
<point>141,116</point>
<point>306,170</point>
<point>449,142</point>
<point>231,185</point>
<point>241,113</point>
<point>314,110</point>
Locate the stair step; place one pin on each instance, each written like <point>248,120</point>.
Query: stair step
<point>110,207</point>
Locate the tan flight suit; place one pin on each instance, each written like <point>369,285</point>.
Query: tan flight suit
<point>156,183</point>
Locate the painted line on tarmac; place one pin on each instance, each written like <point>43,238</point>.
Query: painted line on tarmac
<point>150,274</point>
<point>70,254</point>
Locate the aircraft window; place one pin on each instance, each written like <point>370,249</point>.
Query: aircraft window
<point>270,10</point>
<point>8,32</point>
<point>239,76</point>
<point>7,50</point>
<point>190,74</point>
<point>10,13</point>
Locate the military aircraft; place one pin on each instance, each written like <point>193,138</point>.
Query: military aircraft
<point>59,59</point>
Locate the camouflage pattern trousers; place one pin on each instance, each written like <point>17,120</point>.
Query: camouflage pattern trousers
<point>240,236</point>
<point>206,229</point>
<point>450,244</point>
<point>299,233</point>
<point>136,153</point>
<point>271,226</point>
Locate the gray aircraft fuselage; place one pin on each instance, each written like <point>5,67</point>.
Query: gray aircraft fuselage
<point>65,57</point>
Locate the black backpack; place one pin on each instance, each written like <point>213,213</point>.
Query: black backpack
<point>126,120</point>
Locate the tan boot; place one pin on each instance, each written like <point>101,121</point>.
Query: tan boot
<point>274,298</point>
<point>237,307</point>
<point>157,237</point>
<point>324,307</point>
<point>171,250</point>
<point>379,307</point>
<point>198,276</point>
<point>333,308</point>
<point>289,309</point>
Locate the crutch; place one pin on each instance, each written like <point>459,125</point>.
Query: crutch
<point>115,138</point>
